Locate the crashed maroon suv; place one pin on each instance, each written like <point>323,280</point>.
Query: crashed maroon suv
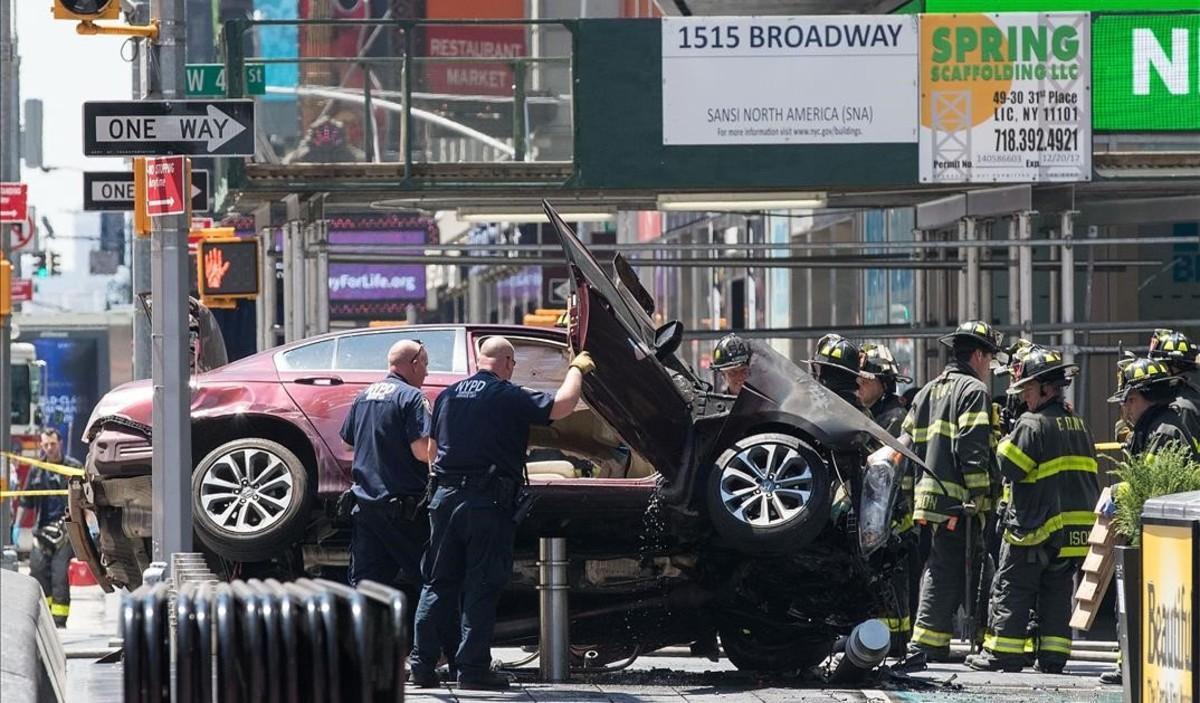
<point>685,511</point>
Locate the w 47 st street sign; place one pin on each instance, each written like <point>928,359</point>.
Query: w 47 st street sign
<point>159,128</point>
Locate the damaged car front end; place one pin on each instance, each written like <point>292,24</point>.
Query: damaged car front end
<point>772,489</point>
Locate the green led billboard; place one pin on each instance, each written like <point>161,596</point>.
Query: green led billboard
<point>1146,72</point>
<point>1060,5</point>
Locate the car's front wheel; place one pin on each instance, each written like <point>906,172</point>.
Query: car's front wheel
<point>250,499</point>
<point>768,493</point>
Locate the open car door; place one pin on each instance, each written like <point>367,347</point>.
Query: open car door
<point>646,402</point>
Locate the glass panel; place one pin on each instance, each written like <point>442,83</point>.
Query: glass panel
<point>310,357</point>
<point>21,394</point>
<point>541,365</point>
<point>368,352</point>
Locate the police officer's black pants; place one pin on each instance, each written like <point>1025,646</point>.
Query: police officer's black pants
<point>1031,578</point>
<point>943,584</point>
<point>387,549</point>
<point>469,562</point>
<point>51,569</point>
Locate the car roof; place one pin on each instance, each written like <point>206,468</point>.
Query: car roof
<point>489,328</point>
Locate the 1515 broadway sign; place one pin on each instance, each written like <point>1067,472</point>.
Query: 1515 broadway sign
<point>1005,98</point>
<point>1146,72</point>
<point>789,80</point>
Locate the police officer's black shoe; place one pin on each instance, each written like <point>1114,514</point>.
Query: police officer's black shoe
<point>424,679</point>
<point>1112,677</point>
<point>491,681</point>
<point>990,662</point>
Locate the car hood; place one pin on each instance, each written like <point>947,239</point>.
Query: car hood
<point>775,384</point>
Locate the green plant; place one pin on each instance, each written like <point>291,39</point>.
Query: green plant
<point>1170,470</point>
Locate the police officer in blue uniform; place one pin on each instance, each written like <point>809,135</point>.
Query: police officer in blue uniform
<point>481,427</point>
<point>388,426</point>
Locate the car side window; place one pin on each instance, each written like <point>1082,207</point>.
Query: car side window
<point>541,364</point>
<point>368,352</point>
<point>310,357</point>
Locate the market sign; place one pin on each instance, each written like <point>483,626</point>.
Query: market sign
<point>1147,72</point>
<point>789,80</point>
<point>1005,98</point>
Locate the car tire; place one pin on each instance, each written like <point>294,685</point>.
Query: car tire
<point>751,649</point>
<point>250,499</point>
<point>768,493</point>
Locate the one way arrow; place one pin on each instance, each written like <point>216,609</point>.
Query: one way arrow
<point>214,128</point>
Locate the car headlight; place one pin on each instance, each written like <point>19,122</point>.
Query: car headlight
<point>880,483</point>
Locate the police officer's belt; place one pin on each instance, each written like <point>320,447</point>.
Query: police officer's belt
<point>463,479</point>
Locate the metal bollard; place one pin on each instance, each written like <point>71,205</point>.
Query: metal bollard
<point>554,637</point>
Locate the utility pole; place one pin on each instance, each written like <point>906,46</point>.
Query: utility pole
<point>10,170</point>
<point>140,15</point>
<point>172,426</point>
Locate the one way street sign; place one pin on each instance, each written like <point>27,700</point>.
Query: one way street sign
<point>113,190</point>
<point>157,128</point>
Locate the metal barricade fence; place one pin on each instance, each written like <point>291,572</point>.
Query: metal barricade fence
<point>262,641</point>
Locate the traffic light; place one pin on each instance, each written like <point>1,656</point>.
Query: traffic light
<point>39,264</point>
<point>87,10</point>
<point>55,263</point>
<point>5,288</point>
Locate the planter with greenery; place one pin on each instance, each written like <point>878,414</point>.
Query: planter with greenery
<point>1171,470</point>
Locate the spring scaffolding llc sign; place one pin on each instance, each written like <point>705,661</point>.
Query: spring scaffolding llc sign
<point>1006,98</point>
<point>789,80</point>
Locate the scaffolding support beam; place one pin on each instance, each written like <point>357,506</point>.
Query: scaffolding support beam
<point>1025,271</point>
<point>1067,296</point>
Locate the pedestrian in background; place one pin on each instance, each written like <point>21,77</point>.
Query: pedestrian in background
<point>481,427</point>
<point>50,560</point>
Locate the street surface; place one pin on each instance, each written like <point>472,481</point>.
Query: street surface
<point>669,675</point>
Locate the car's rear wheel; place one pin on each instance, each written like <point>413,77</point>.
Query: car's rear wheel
<point>250,499</point>
<point>768,492</point>
<point>751,647</point>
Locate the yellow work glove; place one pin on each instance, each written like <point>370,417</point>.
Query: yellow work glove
<point>583,362</point>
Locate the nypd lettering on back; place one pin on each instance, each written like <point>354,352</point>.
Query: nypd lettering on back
<point>381,390</point>
<point>469,388</point>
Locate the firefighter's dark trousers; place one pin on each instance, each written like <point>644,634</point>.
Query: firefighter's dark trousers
<point>1031,578</point>
<point>943,584</point>
<point>897,615</point>
<point>50,568</point>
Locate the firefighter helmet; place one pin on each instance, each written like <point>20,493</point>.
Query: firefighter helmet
<point>979,333</point>
<point>1141,374</point>
<point>878,360</point>
<point>1040,364</point>
<point>836,352</point>
<point>1174,348</point>
<point>730,351</point>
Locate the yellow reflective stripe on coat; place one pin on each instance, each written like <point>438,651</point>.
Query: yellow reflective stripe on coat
<point>60,610</point>
<point>1052,525</point>
<point>1004,645</point>
<point>1069,462</point>
<point>1013,453</point>
<point>929,484</point>
<point>1059,645</point>
<point>930,638</point>
<point>974,419</point>
<point>1072,552</point>
<point>937,427</point>
<point>977,480</point>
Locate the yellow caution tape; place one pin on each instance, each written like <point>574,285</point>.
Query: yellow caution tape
<point>44,492</point>
<point>55,468</point>
<point>1108,446</point>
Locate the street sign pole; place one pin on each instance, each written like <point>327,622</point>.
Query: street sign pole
<point>172,428</point>
<point>141,245</point>
<point>9,171</point>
